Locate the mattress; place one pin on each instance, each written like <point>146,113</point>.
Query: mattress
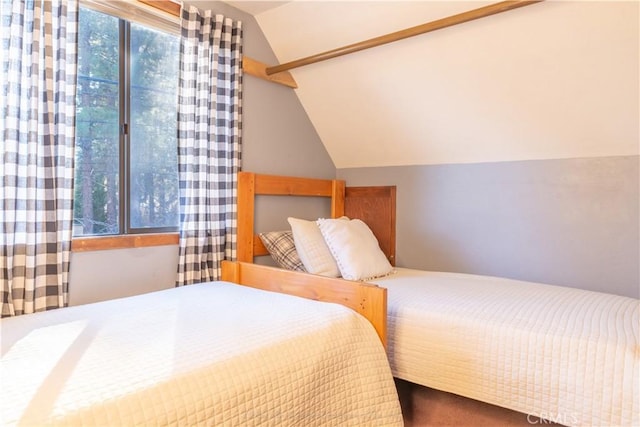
<point>567,355</point>
<point>210,354</point>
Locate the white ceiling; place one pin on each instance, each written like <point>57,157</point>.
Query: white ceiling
<point>255,7</point>
<point>558,79</point>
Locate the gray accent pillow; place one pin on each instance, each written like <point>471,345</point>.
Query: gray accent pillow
<point>282,248</point>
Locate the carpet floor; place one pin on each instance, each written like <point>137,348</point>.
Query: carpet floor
<point>422,406</point>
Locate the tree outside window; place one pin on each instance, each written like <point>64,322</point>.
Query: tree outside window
<point>126,148</point>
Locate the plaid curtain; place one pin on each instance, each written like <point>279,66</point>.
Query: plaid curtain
<point>39,64</point>
<point>209,142</point>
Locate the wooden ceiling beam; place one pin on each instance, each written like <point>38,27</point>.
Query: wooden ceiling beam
<point>403,34</point>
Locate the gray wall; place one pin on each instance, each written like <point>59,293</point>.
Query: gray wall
<point>278,138</point>
<point>568,222</point>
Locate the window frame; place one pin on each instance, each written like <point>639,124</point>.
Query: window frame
<point>122,241</point>
<point>117,240</point>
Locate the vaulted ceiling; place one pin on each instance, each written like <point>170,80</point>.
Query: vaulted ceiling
<point>557,79</point>
<point>255,7</point>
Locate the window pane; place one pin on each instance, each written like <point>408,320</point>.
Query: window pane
<point>154,153</point>
<point>97,140</point>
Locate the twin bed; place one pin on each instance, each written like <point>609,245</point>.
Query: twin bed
<point>223,354</point>
<point>207,354</point>
<point>566,355</point>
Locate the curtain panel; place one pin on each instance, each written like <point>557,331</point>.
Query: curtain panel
<point>209,142</point>
<point>39,67</point>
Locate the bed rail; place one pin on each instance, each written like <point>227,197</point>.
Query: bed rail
<point>366,299</point>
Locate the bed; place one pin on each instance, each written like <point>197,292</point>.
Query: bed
<point>216,353</point>
<point>562,354</point>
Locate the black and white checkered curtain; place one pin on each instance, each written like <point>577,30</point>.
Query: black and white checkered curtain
<point>209,142</point>
<point>39,65</point>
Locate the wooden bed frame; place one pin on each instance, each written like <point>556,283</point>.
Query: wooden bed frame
<point>376,206</point>
<point>366,299</point>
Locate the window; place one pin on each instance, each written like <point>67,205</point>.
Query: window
<point>126,178</point>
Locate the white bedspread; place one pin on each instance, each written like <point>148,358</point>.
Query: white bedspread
<point>212,354</point>
<point>564,354</point>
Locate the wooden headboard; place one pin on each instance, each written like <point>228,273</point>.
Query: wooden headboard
<point>376,206</point>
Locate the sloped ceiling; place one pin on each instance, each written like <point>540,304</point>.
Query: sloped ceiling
<point>255,7</point>
<point>558,79</point>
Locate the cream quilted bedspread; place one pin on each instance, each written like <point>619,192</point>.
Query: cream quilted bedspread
<point>564,354</point>
<point>213,354</point>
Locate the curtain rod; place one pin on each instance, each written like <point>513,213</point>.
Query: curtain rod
<point>460,18</point>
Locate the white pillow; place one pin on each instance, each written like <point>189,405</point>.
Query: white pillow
<point>355,249</point>
<point>312,249</point>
